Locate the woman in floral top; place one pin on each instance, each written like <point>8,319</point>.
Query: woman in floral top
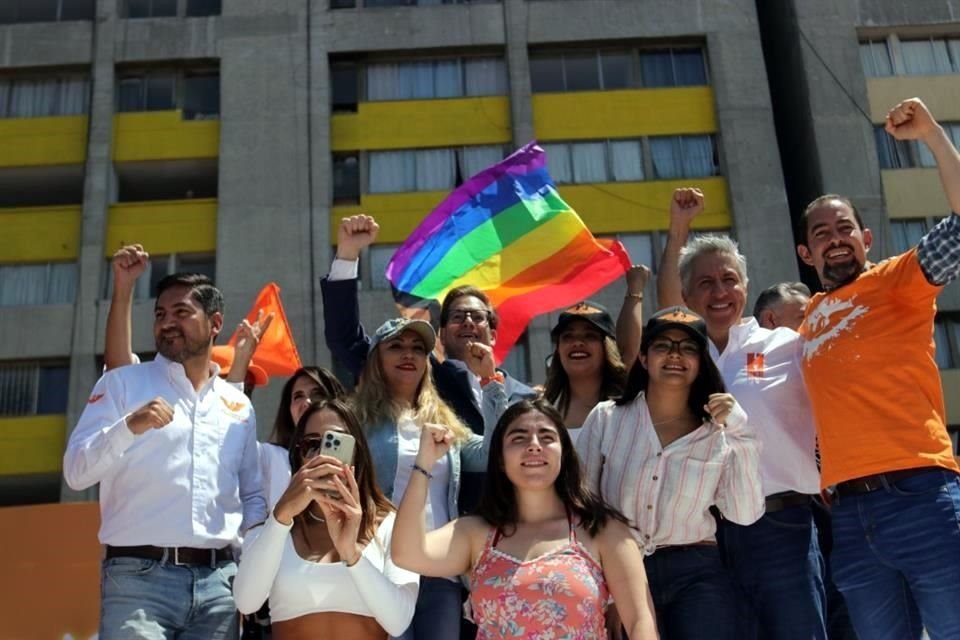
<point>543,553</point>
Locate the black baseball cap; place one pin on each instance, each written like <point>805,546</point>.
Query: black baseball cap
<point>676,318</point>
<point>596,314</point>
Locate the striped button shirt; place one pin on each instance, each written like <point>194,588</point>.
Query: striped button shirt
<point>666,492</point>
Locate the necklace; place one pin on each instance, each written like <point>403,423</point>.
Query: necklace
<point>315,518</point>
<point>668,421</point>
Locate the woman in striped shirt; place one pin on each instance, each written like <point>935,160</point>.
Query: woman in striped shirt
<point>671,447</point>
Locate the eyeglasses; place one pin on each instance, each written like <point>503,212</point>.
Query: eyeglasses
<point>665,346</point>
<point>479,316</point>
<point>310,447</point>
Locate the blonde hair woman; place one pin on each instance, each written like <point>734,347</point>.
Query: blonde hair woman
<point>396,398</point>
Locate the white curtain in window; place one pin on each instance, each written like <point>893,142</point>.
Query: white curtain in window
<point>589,162</point>
<point>62,283</point>
<point>23,284</point>
<point>906,233</point>
<point>436,169</point>
<point>665,154</point>
<point>689,67</point>
<point>953,46</point>
<point>18,388</point>
<point>34,98</point>
<point>486,77</point>
<point>626,160</point>
<point>392,171</point>
<point>476,159</point>
<point>875,58</point>
<point>697,156</point>
<point>925,57</point>
<point>417,80</point>
<point>657,69</point>
<point>73,96</point>
<point>383,82</point>
<point>447,79</point>
<point>558,162</point>
<point>4,98</point>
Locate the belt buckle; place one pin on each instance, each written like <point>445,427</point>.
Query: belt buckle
<point>176,558</point>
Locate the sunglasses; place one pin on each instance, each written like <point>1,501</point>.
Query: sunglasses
<point>310,447</point>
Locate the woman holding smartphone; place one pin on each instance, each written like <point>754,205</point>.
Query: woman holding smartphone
<point>323,555</point>
<point>396,400</point>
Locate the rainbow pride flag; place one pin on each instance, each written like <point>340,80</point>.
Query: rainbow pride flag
<point>508,232</point>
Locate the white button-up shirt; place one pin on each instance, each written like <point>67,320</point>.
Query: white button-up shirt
<point>192,483</point>
<point>763,371</point>
<point>666,492</point>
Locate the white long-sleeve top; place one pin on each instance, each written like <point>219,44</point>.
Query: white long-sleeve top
<point>666,492</point>
<point>194,482</point>
<point>374,586</point>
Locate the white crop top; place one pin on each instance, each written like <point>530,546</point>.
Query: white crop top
<point>374,586</point>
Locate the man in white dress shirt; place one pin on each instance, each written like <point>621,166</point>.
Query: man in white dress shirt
<point>776,561</point>
<point>173,448</point>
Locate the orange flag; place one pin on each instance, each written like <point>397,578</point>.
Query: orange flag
<point>277,352</point>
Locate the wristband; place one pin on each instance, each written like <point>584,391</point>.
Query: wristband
<point>484,381</point>
<point>417,467</point>
<point>638,296</point>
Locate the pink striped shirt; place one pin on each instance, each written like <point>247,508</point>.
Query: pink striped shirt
<point>666,492</point>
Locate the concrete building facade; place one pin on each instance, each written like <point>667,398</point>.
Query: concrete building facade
<point>231,137</point>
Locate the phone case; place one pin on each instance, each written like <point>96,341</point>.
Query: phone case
<point>339,445</point>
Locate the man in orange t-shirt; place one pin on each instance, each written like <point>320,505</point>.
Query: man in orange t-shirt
<point>873,382</point>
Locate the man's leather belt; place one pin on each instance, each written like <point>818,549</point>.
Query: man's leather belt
<point>781,501</point>
<point>866,484</point>
<point>173,555</point>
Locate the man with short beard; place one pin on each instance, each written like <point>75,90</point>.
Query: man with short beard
<point>868,360</point>
<point>173,448</point>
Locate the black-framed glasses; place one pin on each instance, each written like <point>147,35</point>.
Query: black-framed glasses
<point>479,316</point>
<point>665,346</point>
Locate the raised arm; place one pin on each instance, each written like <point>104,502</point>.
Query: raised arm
<point>630,320</point>
<point>248,339</point>
<point>686,204</point>
<point>444,552</point>
<point>911,120</point>
<point>128,264</point>
<point>342,330</point>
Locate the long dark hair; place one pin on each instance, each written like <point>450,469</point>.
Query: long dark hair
<point>707,382</point>
<point>283,426</point>
<point>375,505</point>
<point>614,374</point>
<point>498,503</point>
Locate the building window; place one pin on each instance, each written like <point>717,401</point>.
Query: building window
<point>151,8</point>
<point>427,169</point>
<point>202,8</point>
<point>930,56</point>
<point>683,157</point>
<point>346,179</point>
<point>44,96</point>
<point>342,4</point>
<point>344,88</point>
<point>875,57</point>
<point>13,11</point>
<point>161,266</point>
<point>517,361</point>
<point>196,92</point>
<point>201,95</point>
<point>440,78</point>
<point>29,284</point>
<point>28,389</point>
<point>908,154</point>
<point>600,161</point>
<point>380,255</point>
<point>592,70</point>
<point>906,233</point>
<point>946,336</point>
<point>147,92</point>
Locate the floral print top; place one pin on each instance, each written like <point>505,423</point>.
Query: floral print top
<point>561,595</point>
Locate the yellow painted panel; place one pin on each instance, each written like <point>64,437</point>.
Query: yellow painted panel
<point>39,234</point>
<point>940,93</point>
<point>32,444</point>
<point>585,115</point>
<point>951,394</point>
<point>613,207</point>
<point>412,124</point>
<point>913,193</point>
<point>170,226</point>
<point>30,142</point>
<point>163,135</point>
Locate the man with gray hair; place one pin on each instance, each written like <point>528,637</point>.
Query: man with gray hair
<point>782,305</point>
<point>776,561</point>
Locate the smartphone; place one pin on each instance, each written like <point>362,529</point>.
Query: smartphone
<point>339,445</point>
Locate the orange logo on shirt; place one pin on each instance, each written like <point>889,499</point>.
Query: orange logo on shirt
<point>232,406</point>
<point>755,366</point>
<point>95,398</point>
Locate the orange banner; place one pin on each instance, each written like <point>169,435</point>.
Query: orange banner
<point>51,571</point>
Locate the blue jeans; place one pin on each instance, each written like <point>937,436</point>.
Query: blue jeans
<point>778,569</point>
<point>438,611</point>
<point>692,594</point>
<point>896,557</point>
<point>152,600</point>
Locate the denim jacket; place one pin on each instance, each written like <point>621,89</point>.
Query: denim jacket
<point>466,457</point>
